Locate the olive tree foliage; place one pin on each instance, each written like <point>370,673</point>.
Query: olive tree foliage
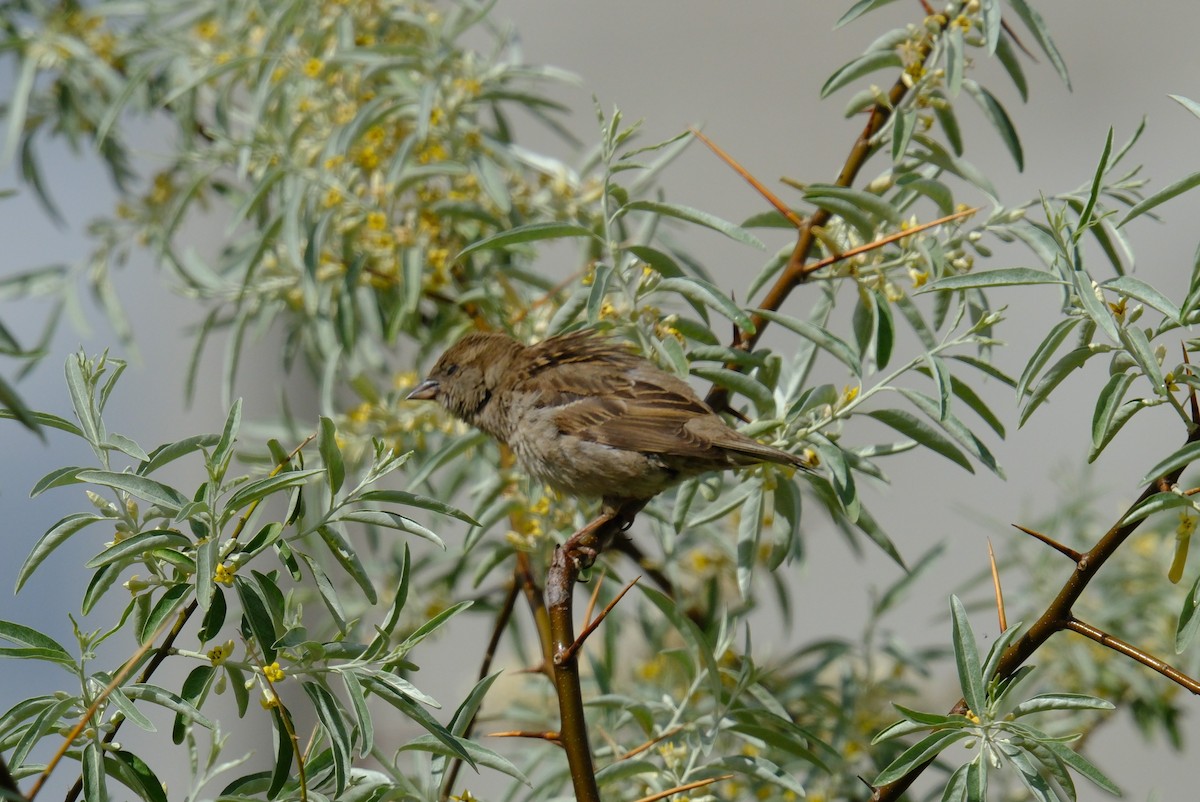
<point>374,201</point>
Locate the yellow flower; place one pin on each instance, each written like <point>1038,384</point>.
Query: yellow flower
<point>219,654</point>
<point>273,672</point>
<point>313,67</point>
<point>208,29</point>
<point>224,574</point>
<point>377,221</point>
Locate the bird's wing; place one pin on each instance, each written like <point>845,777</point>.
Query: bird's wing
<point>608,395</point>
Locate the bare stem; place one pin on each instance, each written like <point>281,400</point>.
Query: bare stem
<point>580,551</point>
<point>1134,653</point>
<point>1057,615</point>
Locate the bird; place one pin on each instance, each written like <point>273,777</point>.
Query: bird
<point>585,414</point>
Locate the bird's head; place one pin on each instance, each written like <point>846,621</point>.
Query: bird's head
<point>465,376</point>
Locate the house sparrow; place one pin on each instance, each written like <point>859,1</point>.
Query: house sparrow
<point>589,417</point>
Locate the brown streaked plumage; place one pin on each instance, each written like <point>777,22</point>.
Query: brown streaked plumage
<point>586,415</point>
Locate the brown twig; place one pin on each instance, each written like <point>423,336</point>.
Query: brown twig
<point>681,788</point>
<point>890,238</point>
<point>1057,616</point>
<point>502,618</point>
<point>1051,542</point>
<point>637,750</point>
<point>1001,616</point>
<point>1134,653</point>
<point>569,652</point>
<point>164,650</point>
<point>113,684</point>
<point>795,272</point>
<point>540,735</point>
<point>759,187</point>
<point>578,552</point>
<point>537,607</point>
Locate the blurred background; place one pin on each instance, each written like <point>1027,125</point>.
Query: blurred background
<point>749,74</point>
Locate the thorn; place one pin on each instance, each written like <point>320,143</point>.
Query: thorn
<point>681,788</point>
<point>759,187</point>
<point>587,614</point>
<point>546,735</point>
<point>569,652</point>
<point>637,750</point>
<point>879,243</point>
<point>1000,614</point>
<point>1052,543</point>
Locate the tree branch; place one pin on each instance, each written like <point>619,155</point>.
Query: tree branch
<point>1057,615</point>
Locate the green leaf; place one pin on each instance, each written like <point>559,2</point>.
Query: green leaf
<point>532,232</point>
<point>867,201</point>
<point>224,449</point>
<point>1081,765</point>
<point>912,427</point>
<point>1107,404</point>
<point>1159,502</point>
<point>139,544</point>
<point>135,774</point>
<point>54,537</point>
<point>163,608</point>
<point>836,347</point>
<point>168,498</point>
<point>1175,462</point>
<point>858,9</point>
<point>1138,347</point>
<point>416,500</point>
<point>1053,377</point>
<point>1042,354</point>
<point>129,710</point>
<point>747,386</point>
<point>1060,701</point>
<point>703,292</point>
<point>1189,622</point>
<point>696,216</point>
<point>955,59</point>
<point>1037,26</point>
<point>865,64</point>
<point>333,722</point>
<point>1001,277</point>
<point>31,644</point>
<point>760,769</point>
<point>919,753</point>
<point>966,659</point>
<point>416,713</point>
<point>281,769</point>
<point>699,646</point>
<point>327,591</point>
<point>999,119</point>
<point>94,787</point>
<point>1141,291</point>
<point>1085,215</point>
<point>165,699</point>
<point>348,559</point>
<point>1162,196</point>
<point>479,755</point>
<point>173,451</point>
<point>362,712</point>
<point>331,455</point>
<point>957,430</point>
<point>260,488</point>
<point>257,614</point>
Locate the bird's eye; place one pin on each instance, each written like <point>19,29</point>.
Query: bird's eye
<point>451,370</point>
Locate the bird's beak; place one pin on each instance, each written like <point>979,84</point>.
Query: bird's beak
<point>425,391</point>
